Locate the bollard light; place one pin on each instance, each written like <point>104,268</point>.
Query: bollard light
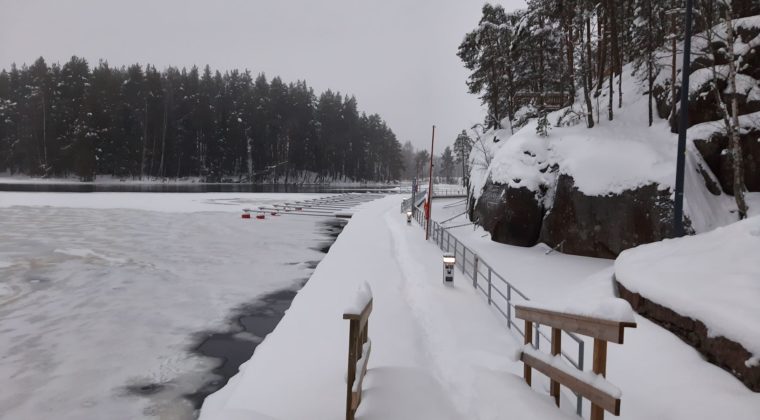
<point>409,217</point>
<point>449,261</point>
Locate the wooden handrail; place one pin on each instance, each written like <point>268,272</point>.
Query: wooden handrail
<point>359,347</point>
<point>602,330</point>
<point>593,327</point>
<point>589,392</point>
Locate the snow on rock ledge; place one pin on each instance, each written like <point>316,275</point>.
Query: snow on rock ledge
<point>705,289</point>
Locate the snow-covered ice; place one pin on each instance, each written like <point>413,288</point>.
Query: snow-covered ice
<point>99,292</point>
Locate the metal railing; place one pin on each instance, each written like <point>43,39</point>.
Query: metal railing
<point>438,192</point>
<point>500,293</point>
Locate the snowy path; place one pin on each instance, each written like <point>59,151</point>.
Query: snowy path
<point>438,352</point>
<point>661,377</point>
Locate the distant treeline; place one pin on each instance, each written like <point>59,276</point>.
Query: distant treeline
<point>71,120</point>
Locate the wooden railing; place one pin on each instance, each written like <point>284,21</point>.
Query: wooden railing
<point>560,373</point>
<point>359,347</point>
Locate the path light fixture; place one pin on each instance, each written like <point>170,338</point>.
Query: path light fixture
<point>449,261</point>
<point>409,217</point>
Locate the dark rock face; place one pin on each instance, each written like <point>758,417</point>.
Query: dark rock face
<point>714,151</point>
<point>595,226</point>
<point>604,226</point>
<point>702,101</point>
<point>512,215</point>
<point>720,351</point>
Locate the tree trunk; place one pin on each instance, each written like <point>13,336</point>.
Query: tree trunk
<point>610,34</point>
<point>650,59</point>
<point>673,46</point>
<point>586,76</point>
<point>736,146</point>
<point>144,140</point>
<point>163,145</point>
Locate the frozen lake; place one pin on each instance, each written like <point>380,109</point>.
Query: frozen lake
<point>105,298</point>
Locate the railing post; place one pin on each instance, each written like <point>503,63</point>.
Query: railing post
<point>353,338</point>
<point>489,286</point>
<point>581,354</point>
<point>509,302</point>
<point>538,336</point>
<point>464,258</point>
<point>600,368</point>
<point>528,338</point>
<point>475,274</point>
<point>556,350</point>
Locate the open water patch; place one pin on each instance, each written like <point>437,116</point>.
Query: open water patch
<point>248,326</point>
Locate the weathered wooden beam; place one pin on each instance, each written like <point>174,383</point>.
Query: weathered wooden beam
<point>603,329</point>
<point>588,391</point>
<point>600,367</point>
<point>556,350</point>
<point>528,341</point>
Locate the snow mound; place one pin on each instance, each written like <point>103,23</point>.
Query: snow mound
<point>612,157</point>
<point>713,277</point>
<point>363,296</point>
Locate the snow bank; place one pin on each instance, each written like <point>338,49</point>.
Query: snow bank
<point>713,277</point>
<point>610,309</point>
<point>362,298</point>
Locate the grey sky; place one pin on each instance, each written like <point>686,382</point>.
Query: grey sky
<point>397,56</point>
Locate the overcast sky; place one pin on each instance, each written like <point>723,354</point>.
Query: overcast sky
<point>397,56</point>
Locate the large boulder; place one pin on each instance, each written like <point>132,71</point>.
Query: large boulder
<point>604,226</point>
<point>512,215</point>
<point>594,226</point>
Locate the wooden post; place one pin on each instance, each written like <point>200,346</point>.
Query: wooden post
<point>528,340</point>
<point>600,367</point>
<point>556,350</point>
<point>352,358</point>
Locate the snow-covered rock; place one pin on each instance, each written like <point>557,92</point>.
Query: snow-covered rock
<point>704,288</point>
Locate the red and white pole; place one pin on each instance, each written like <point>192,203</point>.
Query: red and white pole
<point>430,190</point>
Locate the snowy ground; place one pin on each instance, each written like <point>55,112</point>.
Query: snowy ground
<point>440,352</point>
<point>99,292</point>
<point>660,376</point>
